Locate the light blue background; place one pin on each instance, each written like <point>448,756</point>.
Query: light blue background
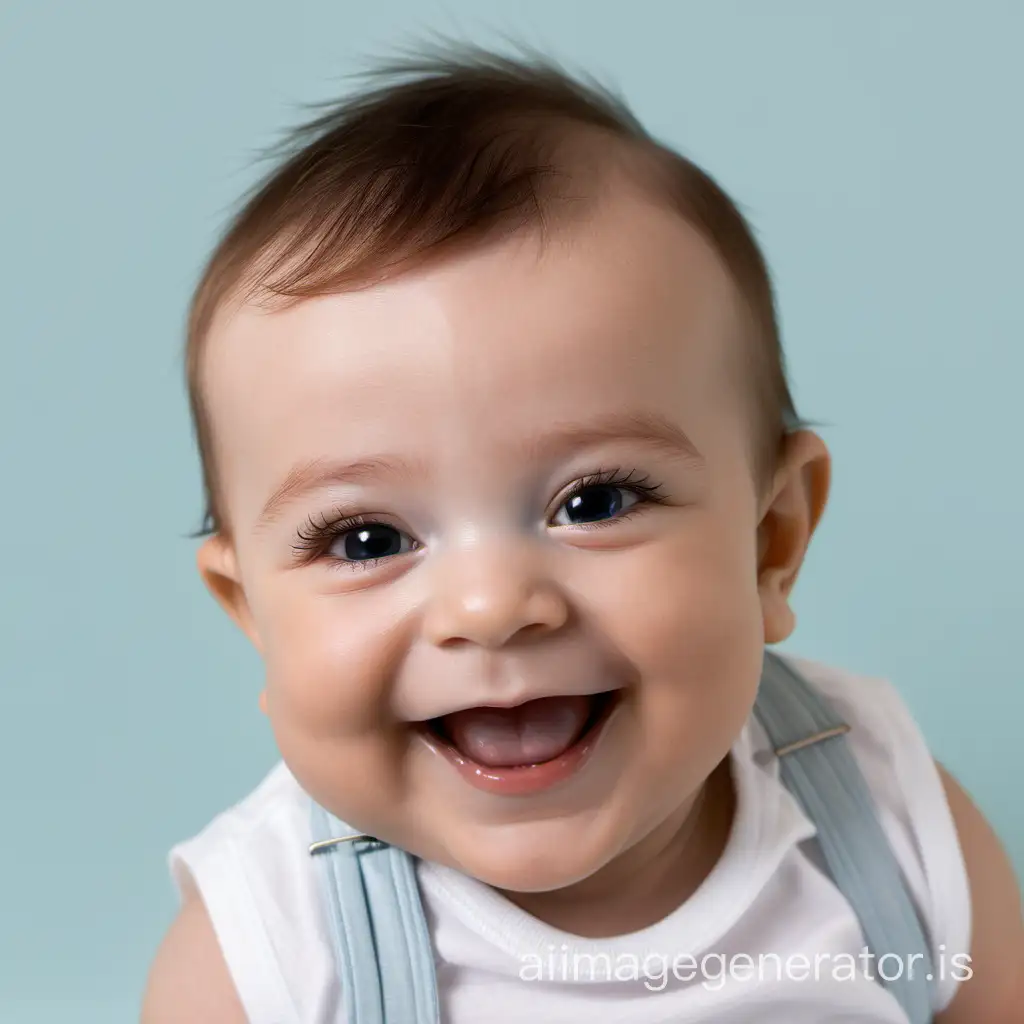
<point>877,149</point>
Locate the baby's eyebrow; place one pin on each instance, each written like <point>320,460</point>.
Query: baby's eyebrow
<point>652,430</point>
<point>323,472</point>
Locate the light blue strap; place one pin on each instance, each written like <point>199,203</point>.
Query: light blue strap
<point>818,768</point>
<point>383,951</point>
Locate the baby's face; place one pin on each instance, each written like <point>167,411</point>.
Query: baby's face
<point>519,475</point>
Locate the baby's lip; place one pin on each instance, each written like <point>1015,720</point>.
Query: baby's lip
<point>521,698</point>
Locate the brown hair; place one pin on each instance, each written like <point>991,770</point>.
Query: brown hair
<point>446,148</point>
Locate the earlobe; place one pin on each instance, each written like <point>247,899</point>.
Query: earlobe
<point>218,568</point>
<point>794,509</point>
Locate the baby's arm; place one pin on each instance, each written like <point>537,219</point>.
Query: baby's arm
<point>995,992</point>
<point>189,981</point>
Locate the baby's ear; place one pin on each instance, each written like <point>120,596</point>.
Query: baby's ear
<point>792,512</point>
<point>218,567</point>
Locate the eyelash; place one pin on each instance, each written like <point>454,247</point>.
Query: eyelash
<point>317,534</point>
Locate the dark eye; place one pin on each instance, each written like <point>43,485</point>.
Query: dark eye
<point>594,503</point>
<point>366,543</point>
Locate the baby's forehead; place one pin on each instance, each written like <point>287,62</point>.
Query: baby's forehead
<point>630,313</point>
<point>623,277</point>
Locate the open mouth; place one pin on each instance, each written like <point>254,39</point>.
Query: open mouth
<point>525,748</point>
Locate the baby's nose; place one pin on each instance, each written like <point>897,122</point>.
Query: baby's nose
<point>489,597</point>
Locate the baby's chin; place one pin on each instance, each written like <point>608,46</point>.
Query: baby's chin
<point>532,856</point>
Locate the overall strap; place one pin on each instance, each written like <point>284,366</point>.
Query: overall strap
<point>818,768</point>
<point>383,952</point>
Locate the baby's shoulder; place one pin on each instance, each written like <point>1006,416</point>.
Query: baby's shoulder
<point>907,789</point>
<point>272,818</point>
<point>252,869</point>
<point>885,738</point>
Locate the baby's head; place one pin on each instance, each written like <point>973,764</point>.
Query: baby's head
<point>493,414</point>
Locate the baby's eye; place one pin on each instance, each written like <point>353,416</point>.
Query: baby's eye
<point>366,543</point>
<point>594,503</point>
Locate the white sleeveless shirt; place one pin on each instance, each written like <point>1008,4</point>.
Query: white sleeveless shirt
<point>766,939</point>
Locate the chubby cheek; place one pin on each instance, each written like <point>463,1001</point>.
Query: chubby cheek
<point>689,621</point>
<point>329,660</point>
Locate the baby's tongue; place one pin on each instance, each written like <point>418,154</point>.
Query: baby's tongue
<point>528,734</point>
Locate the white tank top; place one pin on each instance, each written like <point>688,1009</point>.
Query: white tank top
<point>766,939</point>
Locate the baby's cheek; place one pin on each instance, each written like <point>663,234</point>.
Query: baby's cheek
<point>326,674</point>
<point>682,605</point>
<point>694,634</point>
<point>328,666</point>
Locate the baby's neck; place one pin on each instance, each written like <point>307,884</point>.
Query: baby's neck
<point>649,881</point>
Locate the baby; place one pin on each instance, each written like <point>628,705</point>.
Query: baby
<point>505,484</point>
